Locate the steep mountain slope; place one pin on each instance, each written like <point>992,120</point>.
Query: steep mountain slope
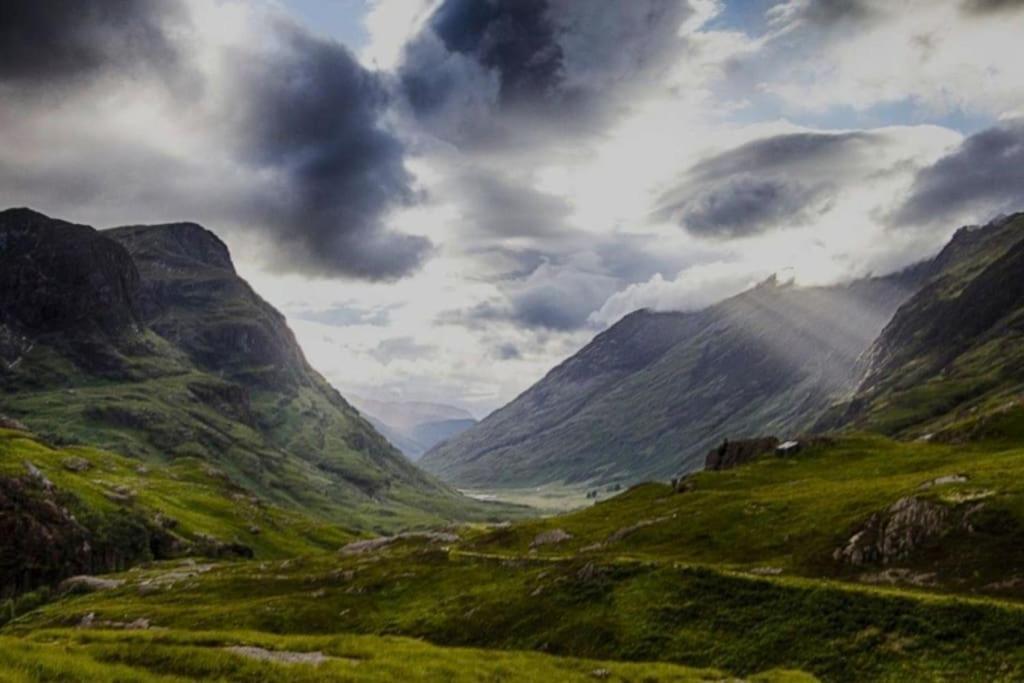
<point>951,361</point>
<point>144,341</point>
<point>414,427</point>
<point>649,396</point>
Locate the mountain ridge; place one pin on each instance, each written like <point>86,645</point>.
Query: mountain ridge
<point>202,367</point>
<point>650,395</point>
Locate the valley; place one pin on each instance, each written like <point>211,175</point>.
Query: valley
<point>183,497</point>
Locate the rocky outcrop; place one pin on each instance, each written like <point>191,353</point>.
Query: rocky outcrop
<point>734,453</point>
<point>76,464</point>
<point>58,277</point>
<point>88,584</point>
<point>41,542</point>
<point>552,537</point>
<point>905,528</point>
<point>11,423</point>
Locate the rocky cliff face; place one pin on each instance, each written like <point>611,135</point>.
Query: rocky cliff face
<point>187,274</point>
<point>57,277</point>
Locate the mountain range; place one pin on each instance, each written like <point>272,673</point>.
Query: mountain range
<point>647,398</point>
<point>143,340</point>
<point>161,427</point>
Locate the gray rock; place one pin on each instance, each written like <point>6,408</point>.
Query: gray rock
<point>11,423</point>
<point>89,584</point>
<point>896,533</point>
<point>38,475</point>
<point>280,656</point>
<point>552,537</point>
<point>76,464</point>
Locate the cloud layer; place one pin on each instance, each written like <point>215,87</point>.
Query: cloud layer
<point>451,209</point>
<point>277,133</point>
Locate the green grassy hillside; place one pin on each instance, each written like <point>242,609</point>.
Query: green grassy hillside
<point>104,656</point>
<point>735,571</point>
<point>952,358</point>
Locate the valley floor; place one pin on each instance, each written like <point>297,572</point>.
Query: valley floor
<point>738,574</point>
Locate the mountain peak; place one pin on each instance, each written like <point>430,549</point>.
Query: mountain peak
<point>184,244</point>
<point>58,276</point>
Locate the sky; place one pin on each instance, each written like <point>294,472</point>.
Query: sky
<point>446,198</point>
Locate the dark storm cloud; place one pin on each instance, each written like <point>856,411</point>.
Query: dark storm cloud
<point>789,151</point>
<point>312,119</point>
<point>299,127</point>
<point>516,38</point>
<point>983,176</point>
<point>741,206</point>
<point>44,43</point>
<point>983,7</point>
<point>559,63</point>
<point>772,183</point>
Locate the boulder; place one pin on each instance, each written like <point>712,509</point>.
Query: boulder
<point>552,537</point>
<point>88,584</point>
<point>895,534</point>
<point>11,423</point>
<point>76,464</point>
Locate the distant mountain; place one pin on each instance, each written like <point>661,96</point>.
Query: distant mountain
<point>414,426</point>
<point>144,340</point>
<point>951,361</point>
<point>648,397</point>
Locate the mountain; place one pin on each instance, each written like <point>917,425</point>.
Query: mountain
<point>649,396</point>
<point>951,361</point>
<point>414,426</point>
<point>143,340</point>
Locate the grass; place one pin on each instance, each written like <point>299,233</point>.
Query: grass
<point>614,610</point>
<point>197,496</point>
<point>180,656</point>
<point>680,586</point>
<point>790,514</point>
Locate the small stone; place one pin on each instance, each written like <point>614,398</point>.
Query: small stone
<point>76,464</point>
